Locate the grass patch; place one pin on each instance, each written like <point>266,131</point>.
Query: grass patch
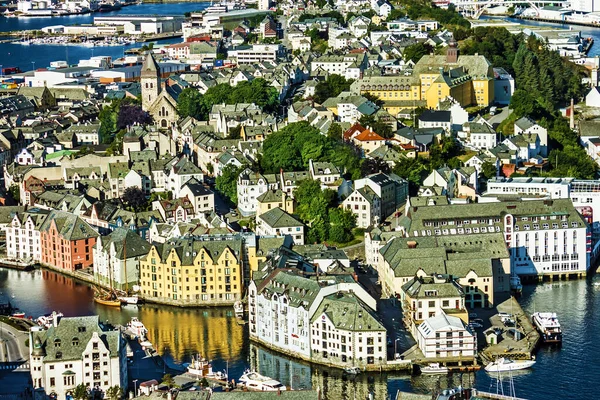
<point>21,326</point>
<point>468,154</point>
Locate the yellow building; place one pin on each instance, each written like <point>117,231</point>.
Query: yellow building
<point>272,199</point>
<point>467,79</point>
<point>259,247</point>
<point>191,271</point>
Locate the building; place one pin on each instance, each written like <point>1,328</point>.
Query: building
<point>256,53</point>
<point>286,307</point>
<point>480,263</point>
<point>205,270</point>
<point>250,186</point>
<point>527,126</point>
<point>504,87</point>
<point>272,199</point>
<point>74,351</point>
<point>350,66</point>
<point>430,296</point>
<point>390,188</point>
<point>365,204</point>
<point>435,119</point>
<point>157,98</point>
<point>67,242</point>
<point>544,237</point>
<point>117,258</point>
<point>23,235</point>
<point>446,336</point>
<point>277,222</point>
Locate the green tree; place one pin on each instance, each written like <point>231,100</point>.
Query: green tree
<point>331,87</point>
<point>488,170</point>
<point>342,222</point>
<point>15,192</point>
<point>189,104</point>
<point>226,183</point>
<point>168,380</point>
<point>335,131</point>
<point>81,392</point>
<point>114,392</point>
<point>415,51</point>
<point>234,133</point>
<point>312,208</point>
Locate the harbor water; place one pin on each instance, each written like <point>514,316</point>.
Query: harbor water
<point>568,372</point>
<point>28,57</point>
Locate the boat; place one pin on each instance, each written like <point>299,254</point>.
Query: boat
<point>48,319</point>
<point>108,302</point>
<point>548,326</point>
<point>254,381</point>
<point>352,370</point>
<point>515,284</point>
<point>506,364</point>
<point>238,307</point>
<point>137,328</point>
<point>129,299</point>
<point>200,367</point>
<point>19,315</point>
<point>434,368</point>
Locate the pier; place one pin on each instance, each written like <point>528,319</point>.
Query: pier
<point>511,346</point>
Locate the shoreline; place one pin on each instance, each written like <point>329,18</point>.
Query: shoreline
<point>558,22</point>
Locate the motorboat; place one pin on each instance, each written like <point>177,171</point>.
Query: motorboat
<point>352,370</point>
<point>48,319</point>
<point>254,381</point>
<point>548,326</point>
<point>19,315</point>
<point>506,364</point>
<point>515,284</point>
<point>434,368</point>
<point>129,299</point>
<point>137,328</point>
<point>200,367</point>
<point>238,307</point>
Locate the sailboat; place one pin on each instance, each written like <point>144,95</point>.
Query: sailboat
<point>126,298</point>
<point>107,298</point>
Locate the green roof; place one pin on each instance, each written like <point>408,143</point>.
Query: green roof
<point>277,218</point>
<point>126,239</point>
<point>69,226</point>
<point>432,287</point>
<point>187,248</point>
<point>347,312</point>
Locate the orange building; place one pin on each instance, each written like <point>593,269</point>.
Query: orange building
<point>67,241</point>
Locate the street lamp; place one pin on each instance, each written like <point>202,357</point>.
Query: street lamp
<point>135,388</point>
<point>396,347</point>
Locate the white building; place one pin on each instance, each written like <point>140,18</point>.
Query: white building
<point>478,135</point>
<point>202,198</point>
<point>365,204</point>
<point>526,125</point>
<point>446,336</point>
<point>181,172</point>
<point>250,185</point>
<point>277,222</point>
<point>592,99</point>
<point>283,310</point>
<point>350,66</point>
<point>116,258</point>
<point>23,235</point>
<point>256,53</point>
<point>74,351</point>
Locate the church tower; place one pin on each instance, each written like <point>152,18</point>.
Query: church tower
<point>150,81</point>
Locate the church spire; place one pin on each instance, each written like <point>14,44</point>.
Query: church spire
<point>150,68</point>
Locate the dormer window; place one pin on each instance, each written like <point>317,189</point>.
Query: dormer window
<point>56,343</point>
<point>75,341</point>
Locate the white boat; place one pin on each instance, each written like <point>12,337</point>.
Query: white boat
<point>255,381</point>
<point>200,367</point>
<point>137,328</point>
<point>48,319</point>
<point>434,368</point>
<point>352,370</point>
<point>129,299</point>
<point>238,307</point>
<point>506,364</point>
<point>548,326</point>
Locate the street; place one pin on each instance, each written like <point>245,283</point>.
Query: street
<point>14,365</point>
<point>499,117</point>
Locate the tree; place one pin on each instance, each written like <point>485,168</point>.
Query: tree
<point>415,51</point>
<point>331,87</point>
<point>132,114</point>
<point>114,392</point>
<point>234,133</point>
<point>15,192</point>
<point>226,183</point>
<point>335,131</point>
<point>189,103</point>
<point>168,380</point>
<point>81,392</point>
<point>341,224</point>
<point>488,170</point>
<point>134,198</point>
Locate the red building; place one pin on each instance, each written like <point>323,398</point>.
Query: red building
<point>67,241</point>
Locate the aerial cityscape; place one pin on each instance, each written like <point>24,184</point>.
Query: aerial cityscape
<point>310,199</point>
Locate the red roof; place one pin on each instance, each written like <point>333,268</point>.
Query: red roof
<point>354,129</point>
<point>367,135</point>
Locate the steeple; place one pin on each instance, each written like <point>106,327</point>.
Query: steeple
<point>150,68</point>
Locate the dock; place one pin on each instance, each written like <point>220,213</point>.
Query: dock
<point>17,264</point>
<point>509,345</point>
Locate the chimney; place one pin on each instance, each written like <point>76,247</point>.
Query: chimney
<point>572,116</point>
<point>452,52</point>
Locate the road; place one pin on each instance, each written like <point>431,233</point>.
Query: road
<point>501,116</point>
<point>12,344</point>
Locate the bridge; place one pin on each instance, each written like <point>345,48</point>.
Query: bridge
<point>475,8</point>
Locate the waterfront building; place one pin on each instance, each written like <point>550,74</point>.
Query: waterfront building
<point>194,271</point>
<point>74,351</point>
<point>544,237</point>
<point>446,336</point>
<point>67,242</point>
<point>479,262</point>
<point>286,308</point>
<point>431,296</point>
<point>23,235</point>
<point>117,258</point>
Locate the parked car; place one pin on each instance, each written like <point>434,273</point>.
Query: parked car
<point>472,315</point>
